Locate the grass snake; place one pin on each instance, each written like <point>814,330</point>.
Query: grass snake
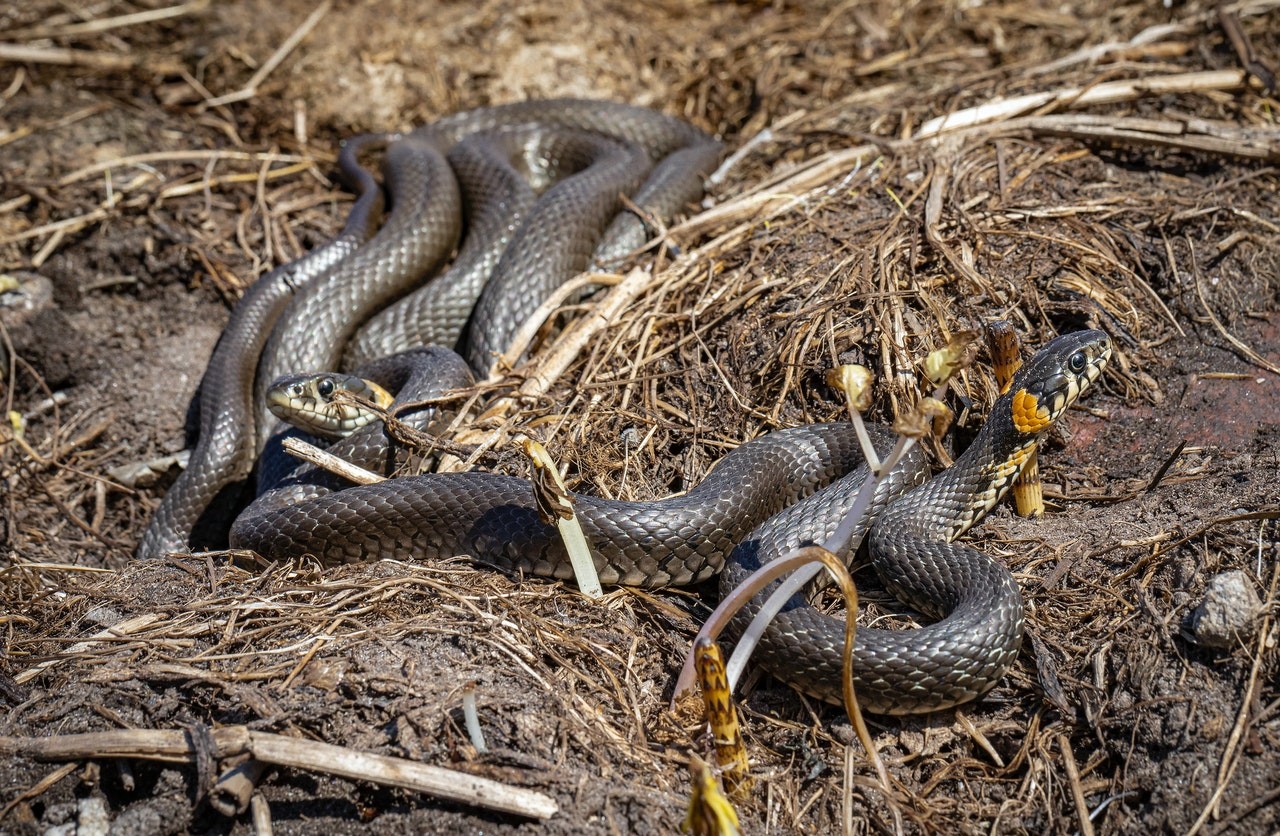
<point>538,187</point>
<point>788,488</point>
<point>547,178</point>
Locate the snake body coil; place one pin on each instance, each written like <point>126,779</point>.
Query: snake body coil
<point>228,435</point>
<point>975,600</point>
<point>583,153</point>
<point>769,496</point>
<point>786,489</point>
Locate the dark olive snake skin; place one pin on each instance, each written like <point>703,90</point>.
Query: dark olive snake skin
<point>784,489</point>
<point>975,600</point>
<point>228,436</point>
<point>583,154</point>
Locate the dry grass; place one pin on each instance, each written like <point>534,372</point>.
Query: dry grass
<point>1119,171</point>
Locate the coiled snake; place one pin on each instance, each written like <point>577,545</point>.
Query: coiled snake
<point>764,498</point>
<point>785,489</point>
<point>581,156</point>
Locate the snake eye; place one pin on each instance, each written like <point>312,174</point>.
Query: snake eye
<point>1077,362</point>
<point>326,386</point>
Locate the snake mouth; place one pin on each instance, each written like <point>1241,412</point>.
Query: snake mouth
<point>300,410</point>
<point>314,402</point>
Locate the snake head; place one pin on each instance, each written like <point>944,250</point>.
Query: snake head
<point>321,403</point>
<point>1055,377</point>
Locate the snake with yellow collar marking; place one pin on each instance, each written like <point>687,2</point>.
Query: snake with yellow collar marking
<point>771,495</point>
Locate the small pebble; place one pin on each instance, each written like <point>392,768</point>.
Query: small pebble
<point>103,616</point>
<point>1227,616</point>
<point>24,294</point>
<point>95,820</point>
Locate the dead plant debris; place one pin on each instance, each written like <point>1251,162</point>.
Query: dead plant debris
<point>901,173</point>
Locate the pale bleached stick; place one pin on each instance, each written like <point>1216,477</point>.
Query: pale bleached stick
<point>189,155</point>
<point>1151,35</point>
<point>1108,92</point>
<point>115,631</point>
<point>64,226</point>
<point>529,328</point>
<point>300,449</point>
<point>780,194</point>
<point>1188,134</point>
<point>21,53</point>
<point>553,364</point>
<point>93,27</point>
<point>175,746</point>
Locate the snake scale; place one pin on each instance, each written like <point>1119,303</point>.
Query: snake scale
<point>784,489</point>
<point>582,155</point>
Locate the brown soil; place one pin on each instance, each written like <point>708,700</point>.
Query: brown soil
<point>146,210</point>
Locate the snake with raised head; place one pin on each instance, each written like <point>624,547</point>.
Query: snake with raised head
<point>775,493</point>
<point>735,516</point>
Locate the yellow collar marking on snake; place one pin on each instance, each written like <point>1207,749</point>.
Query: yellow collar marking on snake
<point>1014,463</point>
<point>1028,415</point>
<point>999,475</point>
<point>380,396</point>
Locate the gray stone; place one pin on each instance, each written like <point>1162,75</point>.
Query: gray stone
<point>1228,615</point>
<point>95,820</point>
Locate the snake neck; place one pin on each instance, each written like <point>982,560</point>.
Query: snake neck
<point>950,503</point>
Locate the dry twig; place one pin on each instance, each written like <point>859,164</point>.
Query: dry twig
<point>311,755</point>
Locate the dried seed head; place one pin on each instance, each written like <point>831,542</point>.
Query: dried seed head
<point>929,417</point>
<point>914,424</point>
<point>938,413</point>
<point>959,352</point>
<point>855,381</point>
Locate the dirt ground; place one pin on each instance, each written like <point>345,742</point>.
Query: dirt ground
<point>1135,189</point>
